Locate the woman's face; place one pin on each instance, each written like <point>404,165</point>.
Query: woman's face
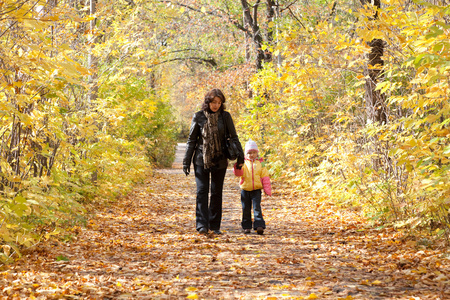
<point>215,104</point>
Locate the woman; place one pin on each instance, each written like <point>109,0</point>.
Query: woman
<point>205,143</point>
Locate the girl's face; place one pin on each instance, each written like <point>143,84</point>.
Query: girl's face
<point>252,154</point>
<point>215,104</point>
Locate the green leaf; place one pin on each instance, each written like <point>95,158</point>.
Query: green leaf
<point>61,258</point>
<point>434,32</point>
<point>418,59</point>
<point>446,150</point>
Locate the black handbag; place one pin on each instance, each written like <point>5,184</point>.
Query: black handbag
<point>231,150</point>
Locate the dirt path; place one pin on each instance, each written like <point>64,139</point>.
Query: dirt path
<point>145,247</point>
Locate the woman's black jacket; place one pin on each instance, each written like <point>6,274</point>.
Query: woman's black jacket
<point>195,140</point>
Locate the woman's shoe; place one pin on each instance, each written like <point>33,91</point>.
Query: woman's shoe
<point>259,230</point>
<point>203,231</point>
<point>217,231</point>
<point>247,231</point>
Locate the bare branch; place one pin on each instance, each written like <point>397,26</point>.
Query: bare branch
<point>288,6</point>
<point>200,60</point>
<point>211,13</point>
<point>185,50</point>
<point>295,17</point>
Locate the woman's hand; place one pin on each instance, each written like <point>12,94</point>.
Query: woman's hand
<point>186,170</point>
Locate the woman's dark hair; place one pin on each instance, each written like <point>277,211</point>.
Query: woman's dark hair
<point>209,97</point>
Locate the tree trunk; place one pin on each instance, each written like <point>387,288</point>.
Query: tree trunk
<point>92,60</point>
<point>375,100</point>
<point>246,39</point>
<point>376,109</point>
<point>251,22</point>
<point>271,14</point>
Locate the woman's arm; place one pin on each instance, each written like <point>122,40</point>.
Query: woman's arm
<point>233,134</point>
<point>191,142</point>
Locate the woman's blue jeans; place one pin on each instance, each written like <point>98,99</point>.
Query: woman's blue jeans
<point>247,199</point>
<point>209,215</point>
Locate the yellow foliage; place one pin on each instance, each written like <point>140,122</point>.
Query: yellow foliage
<point>395,170</point>
<point>61,148</point>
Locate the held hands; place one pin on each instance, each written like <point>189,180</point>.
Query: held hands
<point>237,170</point>
<point>240,161</point>
<point>186,170</point>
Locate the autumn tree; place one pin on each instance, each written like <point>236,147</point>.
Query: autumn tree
<point>251,27</point>
<point>375,100</point>
<point>327,118</point>
<point>51,144</point>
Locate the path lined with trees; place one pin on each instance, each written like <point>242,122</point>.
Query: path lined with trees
<point>347,100</point>
<point>144,246</point>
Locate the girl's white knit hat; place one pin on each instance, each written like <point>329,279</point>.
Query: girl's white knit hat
<point>250,145</point>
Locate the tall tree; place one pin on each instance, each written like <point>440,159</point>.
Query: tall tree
<point>92,60</point>
<point>253,28</point>
<point>375,100</point>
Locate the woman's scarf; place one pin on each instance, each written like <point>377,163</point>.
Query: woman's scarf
<point>211,140</point>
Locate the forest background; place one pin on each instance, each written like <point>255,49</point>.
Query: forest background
<point>348,101</point>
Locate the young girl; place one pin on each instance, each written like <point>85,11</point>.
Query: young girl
<point>254,177</point>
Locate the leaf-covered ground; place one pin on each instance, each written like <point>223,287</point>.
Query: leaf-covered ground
<point>145,247</point>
